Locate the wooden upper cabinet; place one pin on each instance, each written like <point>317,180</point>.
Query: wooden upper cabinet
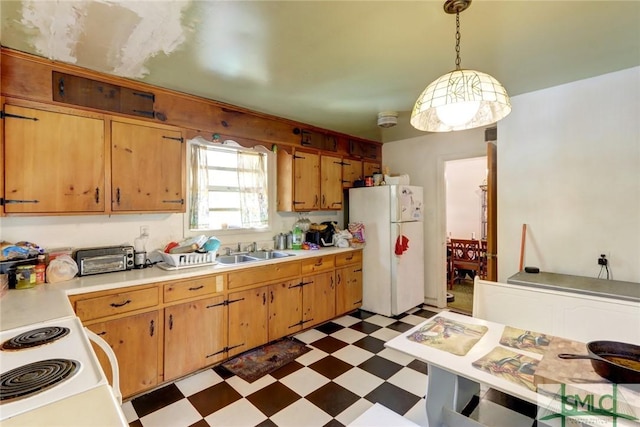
<point>331,182</point>
<point>147,168</point>
<point>299,181</point>
<point>70,89</point>
<point>351,171</point>
<point>321,141</point>
<point>364,149</point>
<point>306,182</point>
<point>54,162</point>
<point>369,168</point>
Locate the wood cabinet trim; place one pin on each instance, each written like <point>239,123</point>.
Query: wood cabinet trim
<point>117,304</point>
<point>194,288</point>
<point>16,64</point>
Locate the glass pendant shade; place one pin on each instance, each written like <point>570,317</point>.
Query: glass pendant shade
<point>461,99</point>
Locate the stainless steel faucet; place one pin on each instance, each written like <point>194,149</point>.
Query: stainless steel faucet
<point>251,247</point>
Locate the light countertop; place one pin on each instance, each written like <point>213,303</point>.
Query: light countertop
<point>617,289</point>
<point>50,301</point>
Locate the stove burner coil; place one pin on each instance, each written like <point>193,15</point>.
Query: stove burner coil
<point>35,377</point>
<point>35,338</point>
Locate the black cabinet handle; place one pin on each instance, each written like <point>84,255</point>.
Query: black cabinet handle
<point>97,195</point>
<point>152,328</point>
<point>171,322</point>
<point>196,288</point>
<point>114,305</point>
<point>61,86</point>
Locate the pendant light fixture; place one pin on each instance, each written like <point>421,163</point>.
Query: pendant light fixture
<point>461,99</point>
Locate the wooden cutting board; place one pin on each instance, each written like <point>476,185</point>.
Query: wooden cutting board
<point>579,376</point>
<point>553,370</point>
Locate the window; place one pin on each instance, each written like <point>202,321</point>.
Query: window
<point>228,187</point>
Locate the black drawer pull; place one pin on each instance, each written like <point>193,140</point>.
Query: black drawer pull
<point>196,288</point>
<point>113,304</point>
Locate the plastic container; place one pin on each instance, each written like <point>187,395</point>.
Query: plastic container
<point>40,270</point>
<point>25,277</point>
<point>297,238</point>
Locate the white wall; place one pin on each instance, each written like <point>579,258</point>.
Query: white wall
<point>423,158</point>
<point>569,167</point>
<point>103,230</point>
<point>464,197</point>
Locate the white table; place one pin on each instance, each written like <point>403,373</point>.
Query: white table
<point>452,379</point>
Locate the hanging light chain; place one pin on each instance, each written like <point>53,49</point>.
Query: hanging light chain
<point>457,40</point>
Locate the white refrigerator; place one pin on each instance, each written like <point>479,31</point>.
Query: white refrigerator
<point>393,256</point>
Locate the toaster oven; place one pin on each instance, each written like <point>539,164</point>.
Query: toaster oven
<point>104,259</point>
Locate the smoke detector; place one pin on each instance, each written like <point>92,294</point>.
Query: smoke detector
<point>387,119</point>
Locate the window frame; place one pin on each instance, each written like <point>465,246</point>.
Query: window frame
<point>271,189</point>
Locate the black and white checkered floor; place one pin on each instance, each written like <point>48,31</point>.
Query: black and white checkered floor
<point>345,373</point>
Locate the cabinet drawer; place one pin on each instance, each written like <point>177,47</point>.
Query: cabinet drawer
<point>194,287</point>
<point>348,258</point>
<point>267,273</point>
<point>321,263</point>
<point>113,304</point>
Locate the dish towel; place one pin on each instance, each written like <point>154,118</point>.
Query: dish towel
<point>402,244</point>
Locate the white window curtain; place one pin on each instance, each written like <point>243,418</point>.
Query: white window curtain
<point>210,180</point>
<point>199,188</point>
<point>252,181</point>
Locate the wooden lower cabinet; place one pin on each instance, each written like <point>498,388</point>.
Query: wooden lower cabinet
<point>318,299</point>
<point>136,341</point>
<point>248,315</point>
<point>195,336</point>
<point>285,309</point>
<point>348,288</point>
<point>194,323</point>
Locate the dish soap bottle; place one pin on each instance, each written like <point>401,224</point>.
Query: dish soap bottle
<point>297,238</point>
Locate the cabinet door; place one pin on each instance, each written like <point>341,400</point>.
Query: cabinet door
<point>348,288</point>
<point>351,171</point>
<point>248,316</point>
<point>331,183</point>
<point>135,341</point>
<point>318,299</point>
<point>369,168</point>
<point>147,168</point>
<point>285,309</point>
<point>306,185</point>
<point>195,336</point>
<point>54,162</point>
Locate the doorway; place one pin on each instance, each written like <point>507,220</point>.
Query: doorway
<point>466,220</point>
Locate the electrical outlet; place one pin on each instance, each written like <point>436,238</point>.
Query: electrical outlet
<point>603,259</point>
<point>144,230</point>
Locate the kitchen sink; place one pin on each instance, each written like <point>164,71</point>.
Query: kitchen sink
<point>236,259</point>
<point>251,256</point>
<point>269,254</point>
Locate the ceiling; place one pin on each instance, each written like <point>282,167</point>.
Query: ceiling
<point>332,64</point>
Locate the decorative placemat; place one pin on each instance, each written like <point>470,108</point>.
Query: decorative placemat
<point>448,335</point>
<point>507,364</point>
<point>525,340</point>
